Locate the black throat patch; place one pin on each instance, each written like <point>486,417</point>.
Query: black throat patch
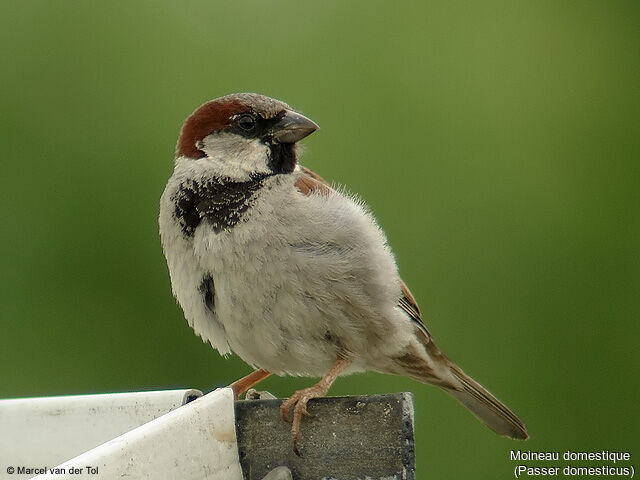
<point>220,203</point>
<point>283,157</point>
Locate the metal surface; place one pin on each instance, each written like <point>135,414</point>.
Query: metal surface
<point>346,438</point>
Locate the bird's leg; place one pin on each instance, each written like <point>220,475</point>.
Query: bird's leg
<point>245,383</point>
<point>300,398</point>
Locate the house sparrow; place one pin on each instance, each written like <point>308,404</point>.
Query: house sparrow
<point>269,261</point>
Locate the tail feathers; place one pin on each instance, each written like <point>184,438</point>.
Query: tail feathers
<point>495,414</point>
<point>438,370</point>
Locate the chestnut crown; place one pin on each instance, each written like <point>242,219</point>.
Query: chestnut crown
<point>249,115</point>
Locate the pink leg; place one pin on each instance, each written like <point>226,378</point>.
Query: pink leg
<point>300,398</point>
<point>245,383</point>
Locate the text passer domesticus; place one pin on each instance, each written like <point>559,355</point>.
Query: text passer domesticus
<point>270,262</point>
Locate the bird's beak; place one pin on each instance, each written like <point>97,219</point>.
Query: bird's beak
<point>292,127</point>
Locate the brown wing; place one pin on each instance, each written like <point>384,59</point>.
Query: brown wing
<point>310,182</point>
<point>410,306</point>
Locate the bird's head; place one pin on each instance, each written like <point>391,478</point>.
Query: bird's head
<point>244,133</point>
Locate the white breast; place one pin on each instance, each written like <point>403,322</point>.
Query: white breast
<point>298,281</point>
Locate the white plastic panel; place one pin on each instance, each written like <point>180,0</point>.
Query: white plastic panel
<point>195,441</point>
<point>37,432</point>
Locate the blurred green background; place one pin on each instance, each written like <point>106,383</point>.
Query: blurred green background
<point>496,142</point>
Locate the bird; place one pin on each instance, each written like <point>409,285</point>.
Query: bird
<point>292,274</point>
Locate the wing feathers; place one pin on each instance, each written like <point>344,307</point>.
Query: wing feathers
<point>437,369</point>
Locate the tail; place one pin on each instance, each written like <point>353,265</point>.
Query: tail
<point>495,414</point>
<point>438,370</point>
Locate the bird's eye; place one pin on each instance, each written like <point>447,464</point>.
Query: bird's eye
<point>246,122</point>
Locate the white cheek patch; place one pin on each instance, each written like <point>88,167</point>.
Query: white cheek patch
<point>237,155</point>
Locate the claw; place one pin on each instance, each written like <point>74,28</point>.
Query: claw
<point>299,402</point>
<point>300,399</point>
<point>284,410</point>
<point>305,412</point>
<point>295,448</point>
<point>285,417</point>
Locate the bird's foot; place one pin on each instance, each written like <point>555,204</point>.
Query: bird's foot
<point>299,403</point>
<point>253,394</point>
<point>245,383</point>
